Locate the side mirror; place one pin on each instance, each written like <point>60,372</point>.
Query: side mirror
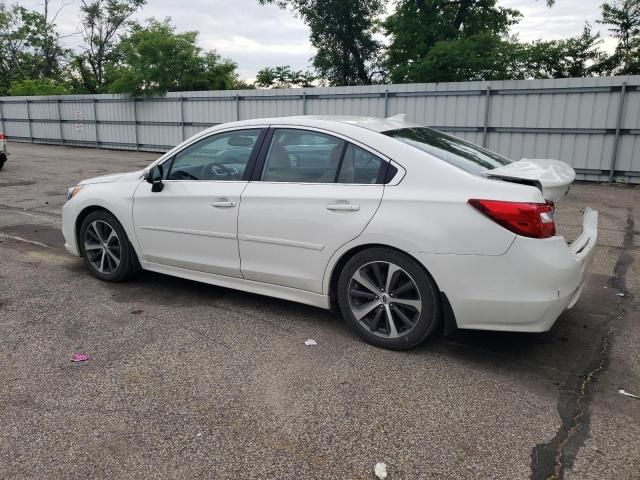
<point>154,177</point>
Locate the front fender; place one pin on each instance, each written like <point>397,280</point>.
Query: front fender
<point>115,197</point>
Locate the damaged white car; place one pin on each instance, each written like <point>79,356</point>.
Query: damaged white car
<point>399,226</point>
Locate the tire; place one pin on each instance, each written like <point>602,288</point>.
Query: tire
<point>413,302</point>
<point>1,165</point>
<point>106,249</point>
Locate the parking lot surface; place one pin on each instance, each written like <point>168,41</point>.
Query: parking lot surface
<point>187,380</point>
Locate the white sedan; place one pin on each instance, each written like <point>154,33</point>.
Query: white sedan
<point>399,226</point>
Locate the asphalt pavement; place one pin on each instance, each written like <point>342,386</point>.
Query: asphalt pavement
<point>187,380</point>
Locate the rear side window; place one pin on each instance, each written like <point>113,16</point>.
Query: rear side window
<point>301,156</point>
<point>359,166</point>
<point>453,150</point>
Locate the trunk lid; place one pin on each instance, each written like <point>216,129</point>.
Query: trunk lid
<point>553,177</point>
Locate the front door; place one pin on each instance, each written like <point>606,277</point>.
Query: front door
<point>315,193</point>
<point>192,223</point>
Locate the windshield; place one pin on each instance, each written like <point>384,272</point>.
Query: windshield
<point>453,150</point>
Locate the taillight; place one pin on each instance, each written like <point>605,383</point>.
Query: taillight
<point>2,137</point>
<point>533,220</point>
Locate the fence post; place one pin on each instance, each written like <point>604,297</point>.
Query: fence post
<point>616,141</point>
<point>237,107</point>
<point>485,127</point>
<point>95,122</point>
<point>182,117</point>
<point>135,122</point>
<point>304,103</point>
<point>29,120</point>
<point>60,121</point>
<point>2,120</point>
<point>386,103</point>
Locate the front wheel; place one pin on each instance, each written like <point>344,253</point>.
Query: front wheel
<point>105,248</point>
<point>388,299</point>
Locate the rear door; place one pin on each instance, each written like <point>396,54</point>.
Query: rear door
<point>311,193</point>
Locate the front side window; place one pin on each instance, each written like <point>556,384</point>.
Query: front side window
<point>302,156</point>
<point>453,150</point>
<point>219,157</point>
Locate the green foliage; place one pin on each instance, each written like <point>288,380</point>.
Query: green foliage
<point>623,19</point>
<point>419,26</point>
<point>102,21</point>
<point>443,40</point>
<point>29,45</point>
<point>284,77</point>
<point>155,59</point>
<point>44,86</point>
<point>575,57</point>
<point>342,31</point>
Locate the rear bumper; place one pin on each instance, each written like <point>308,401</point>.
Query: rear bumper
<point>524,290</point>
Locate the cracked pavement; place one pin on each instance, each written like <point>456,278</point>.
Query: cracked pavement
<point>192,380</point>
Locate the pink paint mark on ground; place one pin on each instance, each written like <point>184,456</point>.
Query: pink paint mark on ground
<point>79,357</point>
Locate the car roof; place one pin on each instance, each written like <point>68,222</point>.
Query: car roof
<point>370,123</point>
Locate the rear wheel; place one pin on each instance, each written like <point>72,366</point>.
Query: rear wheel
<point>106,249</point>
<point>388,299</point>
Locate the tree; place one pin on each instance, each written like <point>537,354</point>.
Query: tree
<point>623,19</point>
<point>155,59</point>
<point>574,57</point>
<point>342,31</point>
<point>284,77</point>
<point>102,21</point>
<point>418,26</point>
<point>29,45</point>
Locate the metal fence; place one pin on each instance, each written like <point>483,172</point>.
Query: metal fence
<point>591,123</point>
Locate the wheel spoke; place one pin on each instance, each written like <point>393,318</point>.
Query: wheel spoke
<point>96,229</point>
<point>391,324</point>
<point>363,310</point>
<point>404,288</point>
<point>375,321</point>
<point>111,236</point>
<point>365,282</point>
<point>114,259</point>
<point>414,304</point>
<point>393,269</point>
<point>378,274</point>
<point>356,292</point>
<point>101,267</point>
<point>92,246</point>
<point>406,320</point>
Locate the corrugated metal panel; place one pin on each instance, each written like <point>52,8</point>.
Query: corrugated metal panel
<point>573,119</point>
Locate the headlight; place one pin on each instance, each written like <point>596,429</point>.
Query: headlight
<point>72,192</point>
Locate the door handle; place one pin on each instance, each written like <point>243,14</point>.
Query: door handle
<point>343,207</point>
<point>223,204</point>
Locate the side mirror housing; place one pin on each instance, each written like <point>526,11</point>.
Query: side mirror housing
<point>154,177</point>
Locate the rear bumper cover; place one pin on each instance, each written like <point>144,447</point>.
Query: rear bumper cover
<point>524,290</point>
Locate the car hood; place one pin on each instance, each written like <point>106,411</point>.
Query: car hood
<point>553,176</point>
<point>115,177</point>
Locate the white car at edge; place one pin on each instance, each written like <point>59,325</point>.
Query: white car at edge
<point>398,225</point>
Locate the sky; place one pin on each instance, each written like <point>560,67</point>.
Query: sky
<point>255,36</point>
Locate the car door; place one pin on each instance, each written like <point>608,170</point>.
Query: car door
<point>192,223</point>
<point>310,194</point>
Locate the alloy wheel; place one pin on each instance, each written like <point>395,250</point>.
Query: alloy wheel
<point>384,299</point>
<point>102,247</point>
